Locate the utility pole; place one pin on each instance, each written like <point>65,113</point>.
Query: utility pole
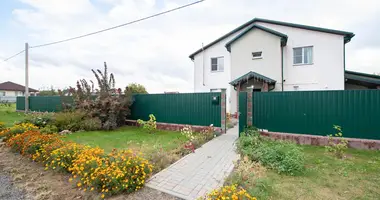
<point>26,77</point>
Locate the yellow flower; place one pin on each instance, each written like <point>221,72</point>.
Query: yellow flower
<point>102,196</point>
<point>71,179</point>
<point>79,184</point>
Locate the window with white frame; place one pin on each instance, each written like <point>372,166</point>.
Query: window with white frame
<point>303,55</point>
<point>217,64</point>
<point>3,93</point>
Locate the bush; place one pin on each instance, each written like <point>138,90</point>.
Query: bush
<point>91,124</point>
<point>229,192</point>
<point>48,129</point>
<point>282,156</point>
<point>119,171</point>
<point>340,147</point>
<point>161,158</point>
<point>17,129</point>
<point>149,125</point>
<point>38,119</point>
<point>30,142</point>
<point>68,120</point>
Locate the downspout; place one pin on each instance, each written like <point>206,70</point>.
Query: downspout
<point>282,68</point>
<point>344,64</point>
<point>203,66</point>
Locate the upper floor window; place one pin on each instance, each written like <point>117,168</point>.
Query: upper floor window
<point>217,64</point>
<point>303,55</point>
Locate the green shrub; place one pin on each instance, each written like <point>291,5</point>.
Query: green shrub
<point>340,147</point>
<point>39,119</point>
<point>149,125</point>
<point>282,156</point>
<point>68,120</point>
<point>91,124</point>
<point>48,129</point>
<point>2,126</point>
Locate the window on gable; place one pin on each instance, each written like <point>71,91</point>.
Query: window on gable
<point>257,55</point>
<point>217,64</point>
<point>303,55</point>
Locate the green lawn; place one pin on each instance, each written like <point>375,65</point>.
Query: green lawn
<point>9,115</point>
<point>129,137</point>
<point>325,177</point>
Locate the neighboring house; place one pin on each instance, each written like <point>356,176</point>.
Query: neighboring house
<point>9,91</point>
<point>267,55</point>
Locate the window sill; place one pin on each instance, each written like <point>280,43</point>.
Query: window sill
<point>303,64</point>
<point>257,58</point>
<point>217,71</point>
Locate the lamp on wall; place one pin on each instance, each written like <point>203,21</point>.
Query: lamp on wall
<point>295,87</point>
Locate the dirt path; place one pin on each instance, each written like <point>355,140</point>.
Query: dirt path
<point>20,178</point>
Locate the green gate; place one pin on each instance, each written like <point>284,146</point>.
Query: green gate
<point>242,111</point>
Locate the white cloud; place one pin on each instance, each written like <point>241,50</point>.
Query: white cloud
<point>155,52</point>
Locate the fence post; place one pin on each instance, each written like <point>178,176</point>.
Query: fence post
<point>249,108</point>
<point>223,110</point>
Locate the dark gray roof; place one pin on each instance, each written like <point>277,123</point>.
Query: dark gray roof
<point>284,38</point>
<point>347,35</point>
<point>357,76</point>
<point>10,86</point>
<point>250,75</point>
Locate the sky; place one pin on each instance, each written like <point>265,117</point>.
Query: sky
<point>156,52</point>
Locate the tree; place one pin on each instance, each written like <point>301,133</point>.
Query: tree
<point>135,88</point>
<point>110,106</point>
<point>50,92</point>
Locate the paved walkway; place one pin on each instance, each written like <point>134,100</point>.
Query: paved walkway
<point>198,173</point>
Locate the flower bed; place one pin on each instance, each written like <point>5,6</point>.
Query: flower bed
<point>91,168</point>
<point>229,192</point>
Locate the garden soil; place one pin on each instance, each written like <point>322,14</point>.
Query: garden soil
<point>21,178</point>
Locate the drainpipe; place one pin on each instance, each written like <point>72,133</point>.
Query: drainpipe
<point>282,68</point>
<point>203,66</point>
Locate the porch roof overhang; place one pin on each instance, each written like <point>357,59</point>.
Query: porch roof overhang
<point>250,75</point>
<point>369,80</point>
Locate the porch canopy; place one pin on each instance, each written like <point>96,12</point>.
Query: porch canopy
<point>252,75</point>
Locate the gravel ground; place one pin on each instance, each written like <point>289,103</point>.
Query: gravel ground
<point>8,190</point>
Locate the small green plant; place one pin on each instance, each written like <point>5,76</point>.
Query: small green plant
<point>149,125</point>
<point>339,146</point>
<point>49,129</point>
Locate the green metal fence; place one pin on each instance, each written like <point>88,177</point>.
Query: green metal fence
<point>315,112</point>
<point>191,108</point>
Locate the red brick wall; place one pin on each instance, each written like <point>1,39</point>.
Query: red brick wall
<point>173,127</point>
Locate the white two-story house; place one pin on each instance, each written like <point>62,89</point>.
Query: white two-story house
<point>267,55</point>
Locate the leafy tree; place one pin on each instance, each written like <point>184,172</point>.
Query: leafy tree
<point>135,88</point>
<point>50,92</point>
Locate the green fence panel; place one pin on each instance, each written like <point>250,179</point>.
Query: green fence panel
<point>20,103</point>
<point>190,108</point>
<point>315,112</point>
<point>242,111</point>
<point>45,103</point>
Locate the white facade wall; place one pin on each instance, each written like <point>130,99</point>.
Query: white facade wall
<point>213,80</point>
<point>11,93</point>
<point>241,58</point>
<point>326,72</point>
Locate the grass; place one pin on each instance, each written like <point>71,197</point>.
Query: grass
<point>325,177</point>
<point>9,115</point>
<point>129,137</point>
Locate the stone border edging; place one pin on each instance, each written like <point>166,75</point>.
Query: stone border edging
<point>173,127</point>
<point>322,140</point>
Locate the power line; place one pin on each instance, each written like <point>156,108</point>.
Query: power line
<point>118,26</point>
<point>5,60</point>
<point>104,30</point>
